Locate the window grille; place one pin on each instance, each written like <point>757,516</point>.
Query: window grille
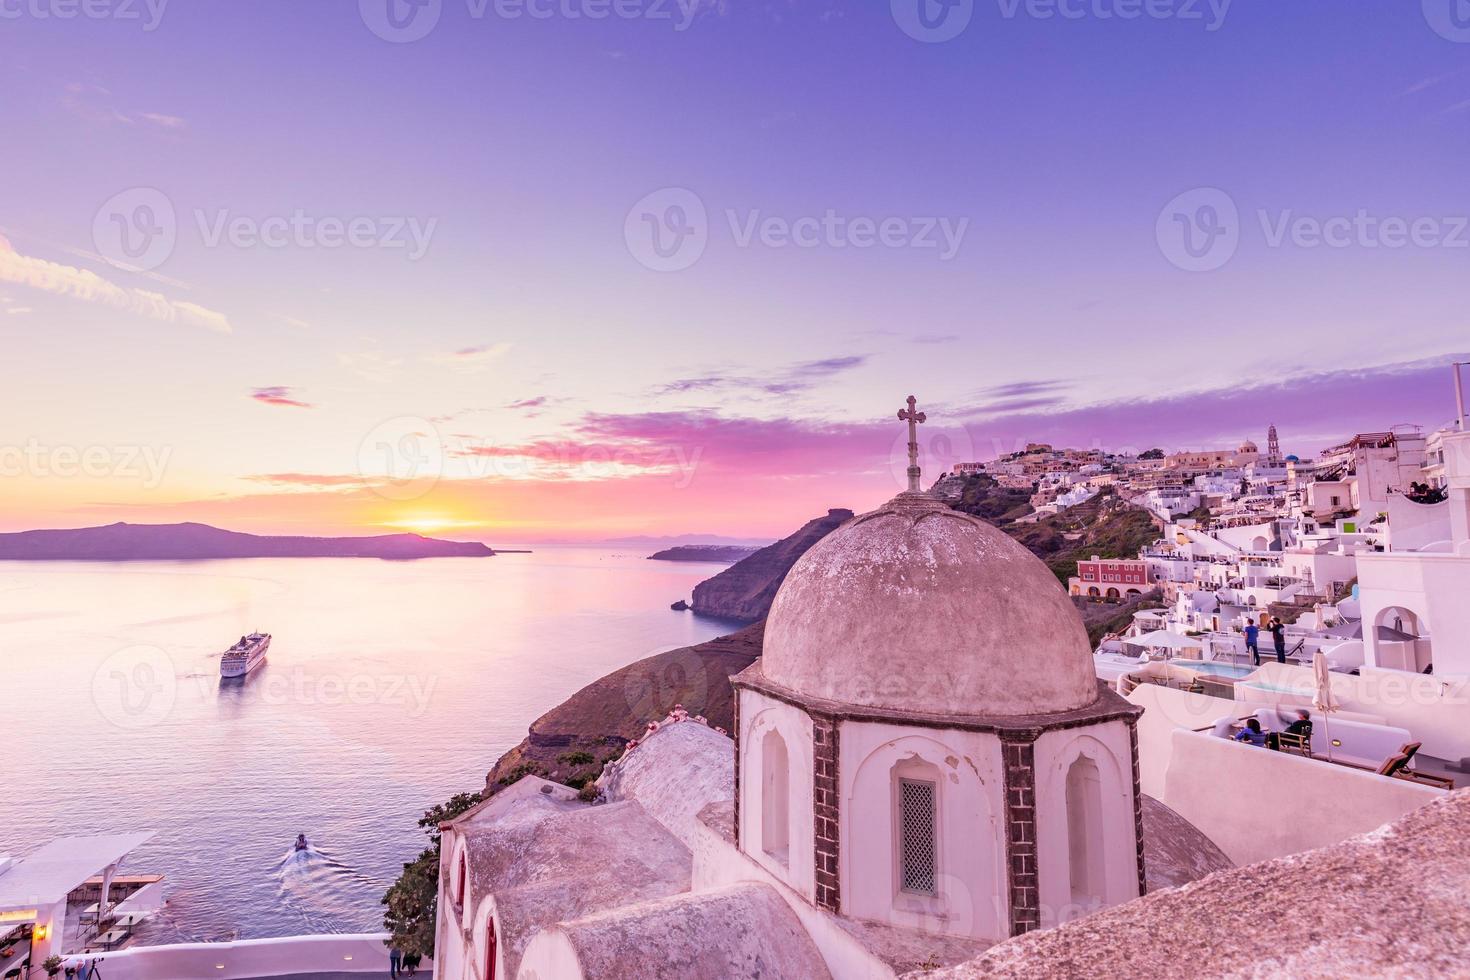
<point>916,852</point>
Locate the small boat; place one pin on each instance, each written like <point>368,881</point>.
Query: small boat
<point>245,655</point>
<point>301,844</point>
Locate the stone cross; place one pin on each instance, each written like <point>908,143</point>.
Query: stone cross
<point>913,417</point>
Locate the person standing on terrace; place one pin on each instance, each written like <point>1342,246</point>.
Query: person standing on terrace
<point>1253,641</point>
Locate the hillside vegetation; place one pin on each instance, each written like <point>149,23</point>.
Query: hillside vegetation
<point>1105,526</point>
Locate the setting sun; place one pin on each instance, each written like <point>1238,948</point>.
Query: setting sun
<point>427,523</point>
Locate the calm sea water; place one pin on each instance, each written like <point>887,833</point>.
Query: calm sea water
<point>390,687</point>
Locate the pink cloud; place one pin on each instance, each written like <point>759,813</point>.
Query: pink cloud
<point>279,395</point>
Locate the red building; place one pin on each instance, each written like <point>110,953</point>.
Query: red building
<point>1110,579</point>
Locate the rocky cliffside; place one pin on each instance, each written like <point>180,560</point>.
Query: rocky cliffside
<point>573,741</point>
<point>744,591</point>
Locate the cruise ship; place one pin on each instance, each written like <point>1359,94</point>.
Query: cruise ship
<point>245,656</point>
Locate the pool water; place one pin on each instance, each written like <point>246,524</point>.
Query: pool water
<point>1218,669</point>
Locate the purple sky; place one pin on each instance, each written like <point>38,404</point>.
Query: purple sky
<point>376,247</point>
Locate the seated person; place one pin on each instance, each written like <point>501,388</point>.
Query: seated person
<point>1302,726</point>
<point>1252,733</point>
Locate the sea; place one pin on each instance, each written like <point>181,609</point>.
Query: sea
<point>390,686</point>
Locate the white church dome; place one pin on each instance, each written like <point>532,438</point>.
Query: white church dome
<point>917,607</point>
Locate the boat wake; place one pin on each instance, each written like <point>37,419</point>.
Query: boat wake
<point>324,892</point>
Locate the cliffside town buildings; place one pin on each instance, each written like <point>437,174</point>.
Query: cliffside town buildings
<point>931,776</point>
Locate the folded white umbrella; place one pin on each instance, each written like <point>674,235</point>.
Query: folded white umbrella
<point>1324,700</point>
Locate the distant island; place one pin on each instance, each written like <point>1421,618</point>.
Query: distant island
<point>187,542</point>
<point>727,553</point>
<point>674,540</point>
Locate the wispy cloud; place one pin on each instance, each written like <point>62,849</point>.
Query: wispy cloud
<point>97,105</point>
<point>280,395</point>
<point>538,402</point>
<point>1430,82</point>
<point>801,376</point>
<point>371,365</point>
<point>313,481</point>
<point>936,338</point>
<point>470,359</point>
<point>85,285</point>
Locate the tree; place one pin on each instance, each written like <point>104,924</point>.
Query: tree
<point>1152,454</point>
<point>412,902</point>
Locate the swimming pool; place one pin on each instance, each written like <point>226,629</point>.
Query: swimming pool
<point>1236,671</point>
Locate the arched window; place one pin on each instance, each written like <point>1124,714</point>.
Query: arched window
<point>1084,833</point>
<point>461,874</point>
<point>918,853</point>
<point>775,797</point>
<point>490,945</point>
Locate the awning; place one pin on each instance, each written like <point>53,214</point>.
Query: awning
<point>46,877</point>
<point>1164,638</point>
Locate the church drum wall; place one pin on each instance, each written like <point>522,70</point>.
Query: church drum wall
<point>1110,747</point>
<point>971,885</point>
<point>759,715</point>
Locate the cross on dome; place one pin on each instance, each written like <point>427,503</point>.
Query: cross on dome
<point>913,417</point>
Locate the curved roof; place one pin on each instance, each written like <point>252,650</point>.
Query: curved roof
<point>1175,851</point>
<point>545,859</point>
<point>675,772</point>
<point>918,607</point>
<point>745,930</point>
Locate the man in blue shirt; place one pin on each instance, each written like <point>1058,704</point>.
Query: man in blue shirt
<point>1253,641</point>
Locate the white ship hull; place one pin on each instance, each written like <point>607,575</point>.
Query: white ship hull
<point>245,656</point>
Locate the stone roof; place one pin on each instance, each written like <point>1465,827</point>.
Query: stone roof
<point>547,860</point>
<point>1391,903</point>
<point>743,931</point>
<point>1175,851</point>
<point>917,607</point>
<point>678,768</point>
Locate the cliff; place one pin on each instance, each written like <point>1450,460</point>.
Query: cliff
<point>573,741</point>
<point>744,591</point>
<point>183,542</point>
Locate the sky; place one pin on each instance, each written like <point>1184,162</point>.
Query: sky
<point>521,270</point>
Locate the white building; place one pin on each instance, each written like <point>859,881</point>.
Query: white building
<point>1359,475</point>
<point>1422,592</point>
